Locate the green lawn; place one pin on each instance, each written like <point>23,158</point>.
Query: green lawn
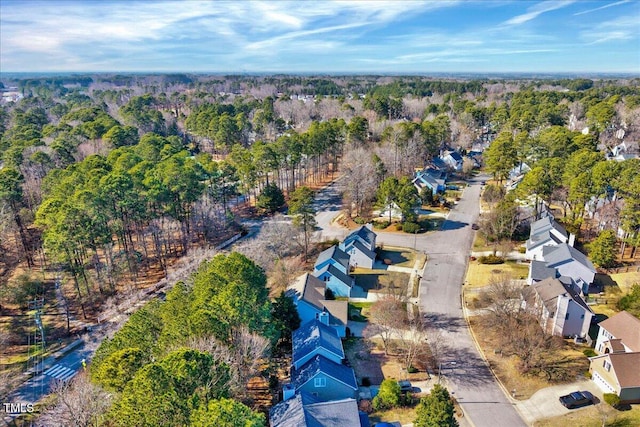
<point>359,311</point>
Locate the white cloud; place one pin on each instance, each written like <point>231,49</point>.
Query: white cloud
<point>606,6</point>
<point>536,10</point>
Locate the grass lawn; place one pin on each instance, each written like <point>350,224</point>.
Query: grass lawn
<point>359,311</point>
<point>592,416</point>
<point>626,280</point>
<point>479,275</point>
<point>569,360</point>
<point>398,256</point>
<point>403,415</point>
<point>381,280</point>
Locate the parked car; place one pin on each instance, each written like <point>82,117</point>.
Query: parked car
<point>405,386</point>
<point>576,399</point>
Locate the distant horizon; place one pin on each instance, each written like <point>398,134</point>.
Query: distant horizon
<point>418,37</point>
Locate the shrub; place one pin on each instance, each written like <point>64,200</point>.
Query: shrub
<point>490,259</point>
<point>359,220</point>
<point>388,395</point>
<point>328,294</point>
<point>381,224</point>
<point>612,399</point>
<point>412,369</point>
<point>366,382</point>
<point>589,352</point>
<point>398,227</point>
<point>522,249</point>
<point>410,227</point>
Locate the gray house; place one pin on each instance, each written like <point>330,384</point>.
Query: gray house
<point>546,232</point>
<point>570,262</point>
<point>304,410</point>
<point>360,244</point>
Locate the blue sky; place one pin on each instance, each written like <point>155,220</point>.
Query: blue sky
<point>321,36</point>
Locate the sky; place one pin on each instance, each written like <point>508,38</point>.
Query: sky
<point>277,36</point>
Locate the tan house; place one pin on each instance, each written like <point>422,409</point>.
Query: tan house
<point>617,369</point>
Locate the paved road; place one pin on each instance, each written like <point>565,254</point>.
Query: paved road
<point>64,369</point>
<point>467,375</point>
<point>464,371</point>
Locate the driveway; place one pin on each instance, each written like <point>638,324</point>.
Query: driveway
<point>545,404</point>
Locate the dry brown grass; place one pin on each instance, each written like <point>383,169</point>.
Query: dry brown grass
<point>569,360</point>
<point>626,280</point>
<point>593,417</point>
<point>479,275</point>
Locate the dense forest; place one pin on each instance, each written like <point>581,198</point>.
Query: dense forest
<point>107,180</point>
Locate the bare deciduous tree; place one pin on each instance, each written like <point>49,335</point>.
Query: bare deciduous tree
<point>78,403</point>
<point>385,319</point>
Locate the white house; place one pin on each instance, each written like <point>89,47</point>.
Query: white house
<point>619,333</point>
<point>561,311</point>
<point>569,261</point>
<point>360,244</point>
<point>546,232</point>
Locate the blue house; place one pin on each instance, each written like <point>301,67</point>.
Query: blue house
<point>316,338</point>
<point>332,267</point>
<point>324,379</point>
<point>360,245</point>
<point>304,410</point>
<point>307,293</point>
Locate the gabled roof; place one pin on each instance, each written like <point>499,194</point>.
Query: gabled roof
<point>555,255</point>
<point>310,289</point>
<point>344,278</point>
<point>626,327</point>
<point>313,335</point>
<point>550,289</point>
<point>321,364</point>
<point>616,345</point>
<point>541,238</point>
<point>335,253</point>
<point>362,248</point>
<point>364,232</point>
<point>303,410</point>
<point>540,271</point>
<point>545,224</point>
<point>454,155</point>
<point>625,367</point>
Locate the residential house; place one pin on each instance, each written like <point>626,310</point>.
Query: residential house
<point>453,160</point>
<point>316,338</point>
<point>307,293</point>
<point>617,373</point>
<point>546,232</point>
<point>360,244</point>
<point>569,261</point>
<point>430,178</point>
<point>304,410</point>
<point>332,267</point>
<point>392,211</point>
<point>324,379</point>
<point>538,271</point>
<point>617,369</point>
<point>619,333</point>
<point>561,310</point>
<point>518,171</point>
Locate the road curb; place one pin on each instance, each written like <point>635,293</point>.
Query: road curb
<point>513,401</point>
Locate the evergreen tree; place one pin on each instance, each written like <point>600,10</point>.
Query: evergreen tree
<point>436,409</point>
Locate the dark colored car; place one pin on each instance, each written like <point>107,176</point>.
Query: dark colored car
<point>405,386</point>
<point>576,399</point>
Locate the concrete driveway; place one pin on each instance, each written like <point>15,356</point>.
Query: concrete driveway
<point>545,404</point>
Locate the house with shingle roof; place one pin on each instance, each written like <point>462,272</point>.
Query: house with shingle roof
<point>546,232</point>
<point>304,410</point>
<point>620,332</point>
<point>332,267</point>
<point>314,338</point>
<point>360,244</point>
<point>570,262</point>
<point>307,293</point>
<point>324,379</point>
<point>560,309</point>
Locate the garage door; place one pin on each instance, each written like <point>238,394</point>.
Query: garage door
<point>600,382</point>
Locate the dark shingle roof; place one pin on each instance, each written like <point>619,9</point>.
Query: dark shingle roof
<point>336,273</point>
<point>321,364</point>
<point>364,233</point>
<point>540,271</point>
<point>305,411</point>
<point>335,253</point>
<point>313,335</point>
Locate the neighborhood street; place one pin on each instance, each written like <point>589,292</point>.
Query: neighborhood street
<point>466,374</point>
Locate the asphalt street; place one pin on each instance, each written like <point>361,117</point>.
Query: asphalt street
<point>464,371</point>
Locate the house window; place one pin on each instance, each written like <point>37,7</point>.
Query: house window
<point>582,316</point>
<point>566,316</point>
<point>607,365</point>
<point>320,382</point>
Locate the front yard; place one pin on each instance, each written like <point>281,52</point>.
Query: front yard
<point>479,275</point>
<point>593,416</point>
<point>385,281</point>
